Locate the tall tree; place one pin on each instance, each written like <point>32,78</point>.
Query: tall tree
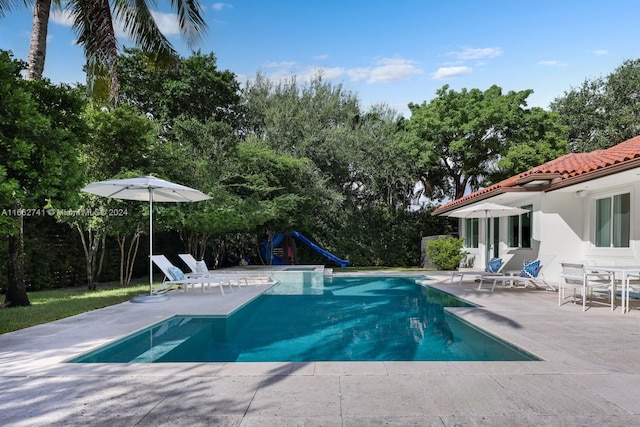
<point>195,88</point>
<point>602,112</point>
<point>94,22</point>
<point>40,130</point>
<point>119,141</point>
<point>540,138</point>
<point>357,154</point>
<point>458,137</point>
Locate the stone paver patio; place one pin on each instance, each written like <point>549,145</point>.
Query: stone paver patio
<point>588,376</point>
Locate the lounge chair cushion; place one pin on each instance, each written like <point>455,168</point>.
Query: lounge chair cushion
<point>175,273</point>
<point>530,269</point>
<point>201,267</point>
<point>494,265</point>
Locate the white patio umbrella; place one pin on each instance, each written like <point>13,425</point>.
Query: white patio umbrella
<point>486,210</point>
<point>146,189</point>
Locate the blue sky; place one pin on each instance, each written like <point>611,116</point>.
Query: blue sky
<point>391,52</point>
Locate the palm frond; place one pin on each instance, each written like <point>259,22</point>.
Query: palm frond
<point>190,19</point>
<point>94,26</point>
<point>10,5</point>
<point>139,24</point>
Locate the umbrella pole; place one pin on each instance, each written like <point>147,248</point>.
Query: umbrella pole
<point>150,241</point>
<point>490,242</point>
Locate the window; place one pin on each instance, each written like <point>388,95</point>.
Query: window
<point>471,232</point>
<point>520,229</point>
<point>496,237</point>
<point>613,221</point>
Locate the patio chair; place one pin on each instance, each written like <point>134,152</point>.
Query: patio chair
<point>495,267</point>
<point>200,267</point>
<point>576,276</point>
<point>173,277</point>
<point>530,274</point>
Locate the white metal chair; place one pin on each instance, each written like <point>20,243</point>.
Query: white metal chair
<point>576,276</point>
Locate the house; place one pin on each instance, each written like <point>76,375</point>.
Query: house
<point>583,207</point>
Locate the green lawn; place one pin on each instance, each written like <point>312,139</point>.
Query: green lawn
<point>47,306</point>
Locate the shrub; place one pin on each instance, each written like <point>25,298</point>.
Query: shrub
<point>445,252</point>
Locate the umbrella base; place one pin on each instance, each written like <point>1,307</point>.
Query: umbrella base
<point>149,298</point>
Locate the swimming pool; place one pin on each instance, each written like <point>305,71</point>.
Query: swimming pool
<point>358,318</point>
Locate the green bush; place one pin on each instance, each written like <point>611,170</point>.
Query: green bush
<point>445,252</point>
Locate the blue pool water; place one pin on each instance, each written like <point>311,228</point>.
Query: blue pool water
<point>351,319</point>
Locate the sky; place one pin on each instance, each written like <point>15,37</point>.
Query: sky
<point>388,52</point>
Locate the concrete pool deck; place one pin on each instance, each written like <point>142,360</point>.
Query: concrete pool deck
<point>589,375</point>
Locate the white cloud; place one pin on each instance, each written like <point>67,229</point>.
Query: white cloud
<point>167,22</point>
<point>450,72</point>
<point>220,6</point>
<point>552,63</point>
<point>62,17</point>
<point>476,53</point>
<point>283,65</point>
<point>285,71</point>
<point>600,52</point>
<point>357,74</point>
<point>387,70</point>
<point>392,70</point>
<point>321,57</point>
<point>325,72</point>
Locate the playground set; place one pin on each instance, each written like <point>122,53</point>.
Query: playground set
<point>281,249</point>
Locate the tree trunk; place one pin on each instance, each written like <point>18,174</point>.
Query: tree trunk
<point>122,241</point>
<point>91,246</point>
<point>38,45</point>
<point>16,290</point>
<point>128,258</point>
<point>131,256</point>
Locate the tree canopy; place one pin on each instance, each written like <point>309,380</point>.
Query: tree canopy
<point>273,155</point>
<point>459,138</point>
<point>40,134</point>
<point>604,111</point>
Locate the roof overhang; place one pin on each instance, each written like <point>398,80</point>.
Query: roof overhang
<point>539,180</point>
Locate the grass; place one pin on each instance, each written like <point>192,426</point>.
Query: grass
<point>47,306</point>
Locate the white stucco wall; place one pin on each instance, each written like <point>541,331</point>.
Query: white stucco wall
<point>563,230</point>
<point>564,225</point>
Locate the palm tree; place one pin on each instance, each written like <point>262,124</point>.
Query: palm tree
<point>93,23</point>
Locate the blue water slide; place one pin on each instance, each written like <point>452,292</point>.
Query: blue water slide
<point>341,262</point>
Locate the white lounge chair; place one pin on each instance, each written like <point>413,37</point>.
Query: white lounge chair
<point>173,276</point>
<point>494,268</point>
<point>576,276</point>
<point>200,267</point>
<point>530,274</point>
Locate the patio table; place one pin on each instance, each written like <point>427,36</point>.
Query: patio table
<point>623,271</point>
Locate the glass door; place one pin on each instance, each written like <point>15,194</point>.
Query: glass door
<point>493,238</point>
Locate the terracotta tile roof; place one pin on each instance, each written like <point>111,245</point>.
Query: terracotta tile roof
<point>574,164</point>
<point>568,168</point>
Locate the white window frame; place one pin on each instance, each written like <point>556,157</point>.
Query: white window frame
<point>594,223</point>
<point>469,230</point>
